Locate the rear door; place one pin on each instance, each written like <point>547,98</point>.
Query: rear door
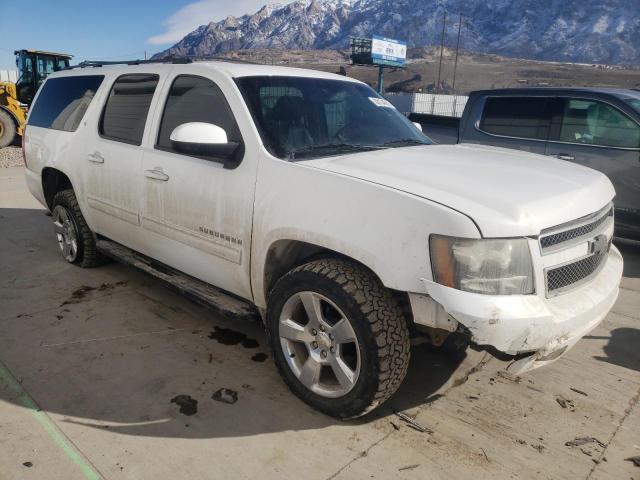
<point>114,159</point>
<point>197,213</point>
<point>521,123</point>
<point>599,135</point>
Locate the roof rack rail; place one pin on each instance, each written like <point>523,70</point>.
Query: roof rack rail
<point>219,59</point>
<point>185,59</point>
<point>100,63</point>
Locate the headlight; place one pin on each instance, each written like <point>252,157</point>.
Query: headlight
<point>488,266</point>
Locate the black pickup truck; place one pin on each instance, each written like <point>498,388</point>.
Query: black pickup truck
<point>595,127</point>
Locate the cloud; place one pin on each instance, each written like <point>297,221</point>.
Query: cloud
<point>192,15</point>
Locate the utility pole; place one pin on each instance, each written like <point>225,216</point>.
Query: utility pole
<point>145,54</point>
<point>455,64</point>
<point>444,23</point>
<point>380,79</point>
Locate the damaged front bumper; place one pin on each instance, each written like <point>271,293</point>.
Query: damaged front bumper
<point>544,328</point>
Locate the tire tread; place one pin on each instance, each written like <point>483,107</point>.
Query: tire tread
<point>89,256</point>
<point>384,315</point>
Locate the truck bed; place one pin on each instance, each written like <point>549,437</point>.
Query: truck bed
<point>443,130</point>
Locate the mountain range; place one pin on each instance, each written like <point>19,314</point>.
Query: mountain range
<point>587,31</point>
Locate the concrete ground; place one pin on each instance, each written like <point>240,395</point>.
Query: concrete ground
<point>90,361</point>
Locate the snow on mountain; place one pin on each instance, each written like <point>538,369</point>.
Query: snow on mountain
<point>594,31</point>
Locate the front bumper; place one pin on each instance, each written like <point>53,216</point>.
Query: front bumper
<point>516,324</point>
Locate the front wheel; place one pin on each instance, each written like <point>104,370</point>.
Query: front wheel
<point>339,337</point>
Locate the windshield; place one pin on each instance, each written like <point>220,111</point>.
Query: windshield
<point>301,118</point>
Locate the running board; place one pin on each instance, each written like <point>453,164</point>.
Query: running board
<point>218,300</point>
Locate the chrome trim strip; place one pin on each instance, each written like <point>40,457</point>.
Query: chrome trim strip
<point>194,239</point>
<point>578,222</point>
<point>575,224</point>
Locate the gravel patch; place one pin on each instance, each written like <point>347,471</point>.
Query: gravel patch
<point>11,157</point>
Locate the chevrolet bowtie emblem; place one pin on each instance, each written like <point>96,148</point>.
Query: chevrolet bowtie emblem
<point>599,245</point>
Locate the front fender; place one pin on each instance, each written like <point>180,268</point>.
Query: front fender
<point>385,229</point>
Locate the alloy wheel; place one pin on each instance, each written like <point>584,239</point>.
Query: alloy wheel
<point>319,344</point>
<point>66,233</point>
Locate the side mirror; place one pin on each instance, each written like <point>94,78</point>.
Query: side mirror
<point>417,125</point>
<point>204,140</point>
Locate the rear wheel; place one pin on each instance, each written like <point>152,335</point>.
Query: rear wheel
<point>7,129</point>
<point>75,239</point>
<point>339,338</point>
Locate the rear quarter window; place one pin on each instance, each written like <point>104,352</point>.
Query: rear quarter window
<point>62,103</point>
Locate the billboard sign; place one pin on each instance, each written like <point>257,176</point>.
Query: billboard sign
<point>386,51</point>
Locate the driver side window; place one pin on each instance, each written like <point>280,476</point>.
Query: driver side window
<point>596,123</point>
<point>195,99</point>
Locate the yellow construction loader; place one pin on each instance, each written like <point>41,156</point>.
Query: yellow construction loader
<point>33,67</point>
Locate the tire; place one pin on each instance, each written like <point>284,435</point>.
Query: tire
<point>378,358</point>
<point>69,223</point>
<point>7,129</point>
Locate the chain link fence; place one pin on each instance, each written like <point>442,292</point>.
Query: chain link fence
<point>431,104</point>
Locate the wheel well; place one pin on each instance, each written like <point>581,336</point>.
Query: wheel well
<point>285,255</point>
<point>53,181</point>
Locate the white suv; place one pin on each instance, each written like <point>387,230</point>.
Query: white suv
<point>308,198</point>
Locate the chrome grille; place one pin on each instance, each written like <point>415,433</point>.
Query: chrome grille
<point>573,273</point>
<point>590,235</point>
<point>585,227</point>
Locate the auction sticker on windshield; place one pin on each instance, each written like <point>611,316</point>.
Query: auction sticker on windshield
<point>381,102</point>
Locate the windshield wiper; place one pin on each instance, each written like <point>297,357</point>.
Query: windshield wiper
<point>330,148</point>
<point>404,142</point>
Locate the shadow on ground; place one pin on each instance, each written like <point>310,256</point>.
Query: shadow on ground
<point>622,349</point>
<point>631,253</point>
<point>110,348</point>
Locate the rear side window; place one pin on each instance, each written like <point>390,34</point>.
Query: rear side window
<point>516,117</point>
<point>195,99</point>
<point>63,102</point>
<point>125,113</point>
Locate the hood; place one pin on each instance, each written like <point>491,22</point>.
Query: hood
<point>507,193</point>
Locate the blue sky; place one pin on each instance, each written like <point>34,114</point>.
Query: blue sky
<point>107,30</point>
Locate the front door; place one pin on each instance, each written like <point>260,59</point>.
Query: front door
<point>197,212</point>
<point>600,136</point>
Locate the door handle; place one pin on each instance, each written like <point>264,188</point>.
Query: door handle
<point>95,157</point>
<point>156,174</point>
<point>564,156</point>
